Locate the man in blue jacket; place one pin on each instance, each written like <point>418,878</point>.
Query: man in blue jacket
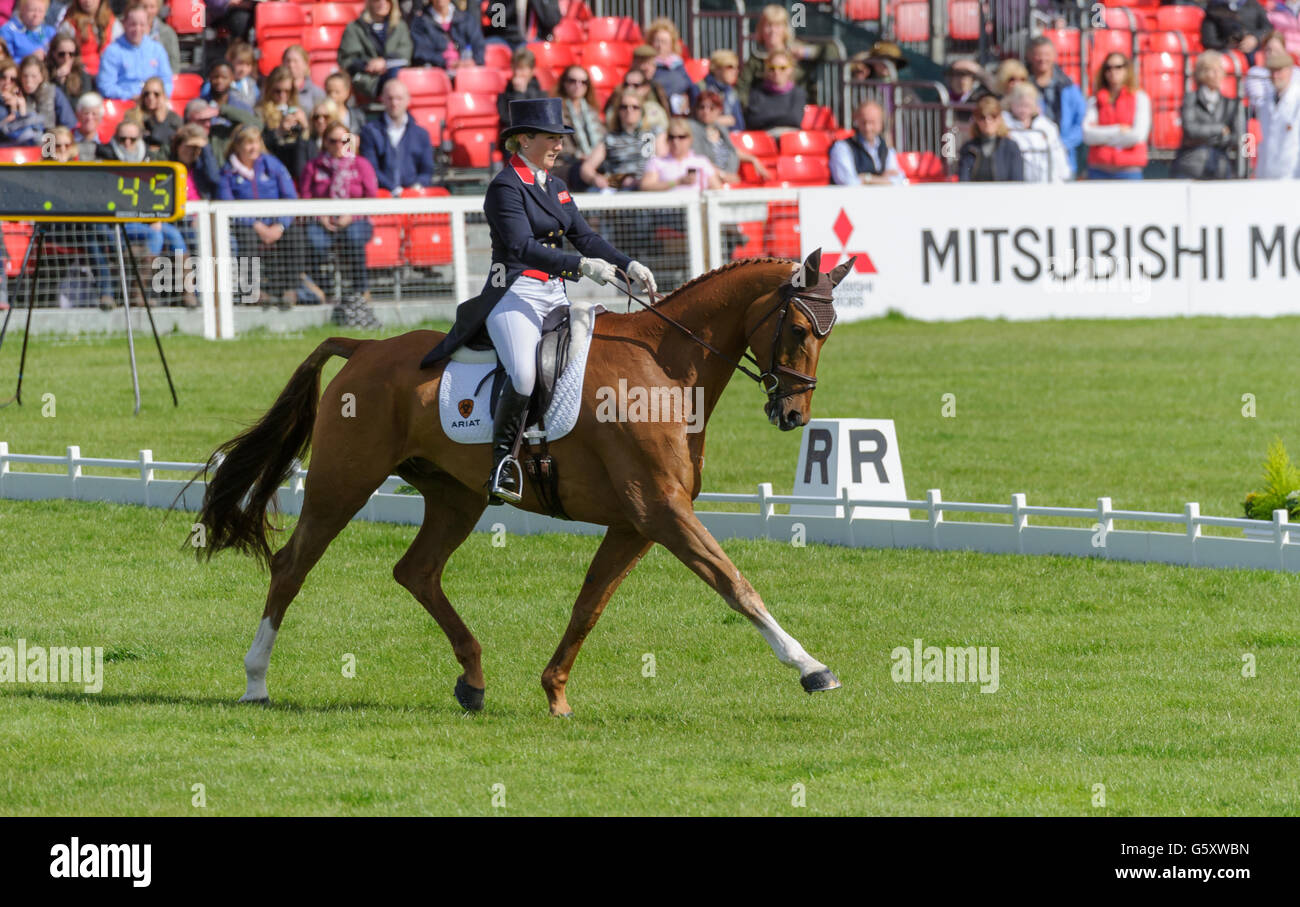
<point>397,147</point>
<point>26,33</point>
<point>1063,102</point>
<point>133,59</point>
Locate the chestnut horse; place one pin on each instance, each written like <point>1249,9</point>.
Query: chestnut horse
<point>637,478</point>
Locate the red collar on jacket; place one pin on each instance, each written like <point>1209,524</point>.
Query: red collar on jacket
<point>524,172</point>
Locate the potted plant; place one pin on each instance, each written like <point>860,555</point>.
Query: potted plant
<point>1281,490</point>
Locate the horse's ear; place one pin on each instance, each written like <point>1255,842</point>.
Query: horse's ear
<point>841,269</point>
<point>812,269</point>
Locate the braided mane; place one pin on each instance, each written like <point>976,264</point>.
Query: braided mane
<point>729,266</point>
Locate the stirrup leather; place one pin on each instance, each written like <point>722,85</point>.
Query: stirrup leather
<point>502,485</point>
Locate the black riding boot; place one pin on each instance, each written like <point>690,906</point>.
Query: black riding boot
<point>507,480</point>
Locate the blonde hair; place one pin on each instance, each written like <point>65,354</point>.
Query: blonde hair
<point>664,24</point>
<point>988,105</point>
<point>1010,69</point>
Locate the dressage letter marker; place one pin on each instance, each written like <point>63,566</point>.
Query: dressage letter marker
<point>858,454</point>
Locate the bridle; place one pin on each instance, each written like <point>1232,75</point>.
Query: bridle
<point>770,378</point>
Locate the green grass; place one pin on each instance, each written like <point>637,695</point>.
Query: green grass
<point>1117,674</point>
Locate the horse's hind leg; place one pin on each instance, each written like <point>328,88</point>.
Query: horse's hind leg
<point>450,512</point>
<point>330,500</point>
<point>618,553</point>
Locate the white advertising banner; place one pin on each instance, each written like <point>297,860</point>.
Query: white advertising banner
<point>1111,249</point>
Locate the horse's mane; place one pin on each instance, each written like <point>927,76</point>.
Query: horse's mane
<point>722,269</point>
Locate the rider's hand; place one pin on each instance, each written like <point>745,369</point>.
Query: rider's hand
<point>641,274</point>
<point>598,270</point>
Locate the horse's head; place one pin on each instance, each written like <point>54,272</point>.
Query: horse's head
<point>786,330</point>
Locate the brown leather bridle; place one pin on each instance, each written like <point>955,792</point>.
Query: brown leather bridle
<point>811,302</point>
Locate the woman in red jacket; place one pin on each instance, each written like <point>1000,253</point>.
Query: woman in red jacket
<point>1117,123</point>
<point>94,26</point>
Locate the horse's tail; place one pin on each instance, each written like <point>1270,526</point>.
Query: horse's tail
<point>251,467</point>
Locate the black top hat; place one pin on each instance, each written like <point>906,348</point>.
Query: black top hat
<point>537,115</point>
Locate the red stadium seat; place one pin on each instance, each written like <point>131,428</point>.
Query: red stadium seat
<point>803,170</point>
<point>697,69</point>
<point>20,154</point>
<point>431,118</point>
<point>759,144</point>
<point>782,235</point>
<point>923,166</point>
<point>862,10</point>
<point>614,28</point>
<point>428,236</point>
<point>498,56</point>
<point>605,79</point>
<point>1166,130</point>
<point>1157,42</point>
<point>549,55</point>
<point>574,9</point>
<point>607,53</point>
<point>481,80</point>
<point>752,244</point>
<point>385,247</point>
<point>567,31</point>
<point>322,71</point>
<point>271,52</point>
<point>472,147</point>
<point>1186,19</point>
<point>114,110</point>
<point>330,13</point>
<point>912,21</point>
<point>815,117</point>
<point>188,17</point>
<point>279,20</point>
<point>187,85</point>
<point>471,111</point>
<point>1164,88</point>
<point>426,82</point>
<point>805,143</point>
<point>1162,62</point>
<point>1118,18</point>
<point>964,20</point>
<point>177,106</point>
<point>318,39</point>
<point>1068,44</point>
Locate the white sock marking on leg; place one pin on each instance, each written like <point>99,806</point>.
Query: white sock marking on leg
<point>787,648</point>
<point>258,660</point>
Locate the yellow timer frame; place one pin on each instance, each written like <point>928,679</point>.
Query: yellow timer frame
<point>110,192</point>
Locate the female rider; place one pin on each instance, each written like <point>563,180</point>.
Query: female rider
<point>529,211</point>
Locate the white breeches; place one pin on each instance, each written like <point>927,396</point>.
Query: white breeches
<point>515,326</point>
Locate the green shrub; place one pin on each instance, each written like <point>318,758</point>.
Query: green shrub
<point>1281,486</point>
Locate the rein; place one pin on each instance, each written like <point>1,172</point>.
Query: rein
<point>767,378</point>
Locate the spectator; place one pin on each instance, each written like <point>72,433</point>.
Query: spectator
<point>338,88</point>
<point>865,158</point>
<point>883,61</point>
<point>93,239</point>
<point>219,88</point>
<point>1285,18</point>
<point>160,123</point>
<point>26,33</point>
<point>129,60</point>
<point>724,72</point>
<point>374,45</point>
<point>654,105</point>
<point>990,155</point>
<point>250,173</point>
<point>243,66</point>
<point>670,72</point>
<point>309,93</point>
<point>20,123</point>
<point>93,26</point>
<point>42,97</point>
<point>63,68</point>
<point>1211,125</point>
<point>619,161</point>
<point>1258,86</point>
<point>322,115</point>
<point>578,97</point>
<point>1063,102</point>
<point>1117,123</point>
<point>336,174</point>
<point>1235,25</point>
<point>90,116</point>
<point>1036,135</point>
<point>714,142</point>
<point>65,147</point>
<point>1008,75</point>
<point>164,34</point>
<point>681,167</point>
<point>776,104</point>
<point>284,121</point>
<point>523,85</point>
<point>519,18</point>
<point>774,34</point>
<point>398,148</point>
<point>968,82</point>
<point>219,121</point>
<point>235,17</point>
<point>446,36</point>
<point>190,147</point>
<point>1279,121</point>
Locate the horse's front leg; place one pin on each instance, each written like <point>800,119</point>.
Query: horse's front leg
<point>675,526</point>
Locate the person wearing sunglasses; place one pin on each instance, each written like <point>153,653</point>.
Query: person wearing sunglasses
<point>776,104</point>
<point>339,172</point>
<point>713,141</point>
<point>42,97</point>
<point>160,121</point>
<point>530,213</point>
<point>681,167</point>
<point>92,26</point>
<point>773,34</point>
<point>578,97</point>
<point>63,67</point>
<point>131,59</point>
<point>723,74</point>
<point>654,106</point>
<point>1117,123</point>
<point>990,155</point>
<point>618,161</point>
<point>446,36</point>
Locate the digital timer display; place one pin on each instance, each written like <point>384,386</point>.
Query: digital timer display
<point>108,191</point>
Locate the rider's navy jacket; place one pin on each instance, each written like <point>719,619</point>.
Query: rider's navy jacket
<point>527,223</point>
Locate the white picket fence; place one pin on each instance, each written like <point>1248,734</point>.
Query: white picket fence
<point>1270,547</point>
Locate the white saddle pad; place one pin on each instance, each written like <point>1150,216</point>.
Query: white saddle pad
<point>465,414</point>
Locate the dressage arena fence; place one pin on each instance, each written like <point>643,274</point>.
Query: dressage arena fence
<point>1268,545</point>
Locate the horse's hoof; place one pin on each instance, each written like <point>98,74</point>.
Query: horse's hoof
<point>820,681</point>
<point>470,698</point>
<point>561,714</point>
<point>264,700</point>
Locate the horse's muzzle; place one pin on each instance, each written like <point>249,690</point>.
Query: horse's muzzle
<point>786,421</point>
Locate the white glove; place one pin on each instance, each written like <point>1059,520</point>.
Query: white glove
<point>598,270</point>
<point>641,274</point>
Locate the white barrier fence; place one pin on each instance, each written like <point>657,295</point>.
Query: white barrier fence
<point>1270,547</point>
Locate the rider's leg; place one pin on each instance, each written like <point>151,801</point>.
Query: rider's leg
<point>515,328</point>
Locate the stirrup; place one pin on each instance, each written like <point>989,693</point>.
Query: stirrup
<point>496,485</point>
